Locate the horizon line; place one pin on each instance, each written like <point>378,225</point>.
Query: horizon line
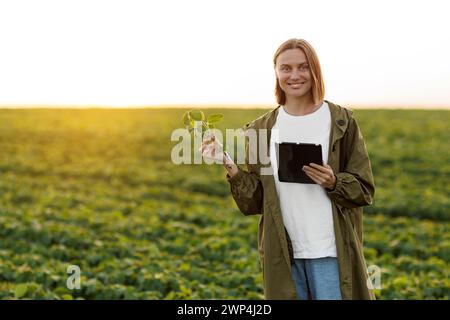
<point>214,106</point>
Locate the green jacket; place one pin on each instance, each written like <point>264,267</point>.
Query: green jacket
<point>256,194</point>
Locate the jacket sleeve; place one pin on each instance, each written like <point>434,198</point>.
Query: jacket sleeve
<point>354,185</point>
<point>246,187</point>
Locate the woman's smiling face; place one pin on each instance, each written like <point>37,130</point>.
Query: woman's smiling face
<point>293,73</point>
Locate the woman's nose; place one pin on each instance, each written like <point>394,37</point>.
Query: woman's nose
<point>295,75</point>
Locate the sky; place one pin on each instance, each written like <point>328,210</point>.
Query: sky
<point>141,53</point>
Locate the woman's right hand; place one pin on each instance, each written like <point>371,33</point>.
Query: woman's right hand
<point>212,148</point>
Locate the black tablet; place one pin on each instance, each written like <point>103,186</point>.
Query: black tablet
<point>291,157</point>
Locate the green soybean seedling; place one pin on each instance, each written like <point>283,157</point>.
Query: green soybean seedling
<point>191,116</point>
<point>191,121</point>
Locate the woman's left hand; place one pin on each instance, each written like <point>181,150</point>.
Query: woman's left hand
<point>322,175</point>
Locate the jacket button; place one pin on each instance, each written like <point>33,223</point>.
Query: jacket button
<point>341,122</point>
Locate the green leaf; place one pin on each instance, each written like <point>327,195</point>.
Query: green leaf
<point>197,115</point>
<point>21,290</point>
<point>186,118</point>
<point>215,118</point>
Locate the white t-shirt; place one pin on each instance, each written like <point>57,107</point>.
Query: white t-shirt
<point>306,208</point>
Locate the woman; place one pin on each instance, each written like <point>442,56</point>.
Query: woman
<point>310,235</point>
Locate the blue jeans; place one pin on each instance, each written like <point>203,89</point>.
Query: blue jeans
<point>319,277</point>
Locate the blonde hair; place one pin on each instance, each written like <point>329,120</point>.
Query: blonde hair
<point>318,87</point>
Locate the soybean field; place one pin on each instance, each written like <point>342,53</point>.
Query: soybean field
<point>97,189</point>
